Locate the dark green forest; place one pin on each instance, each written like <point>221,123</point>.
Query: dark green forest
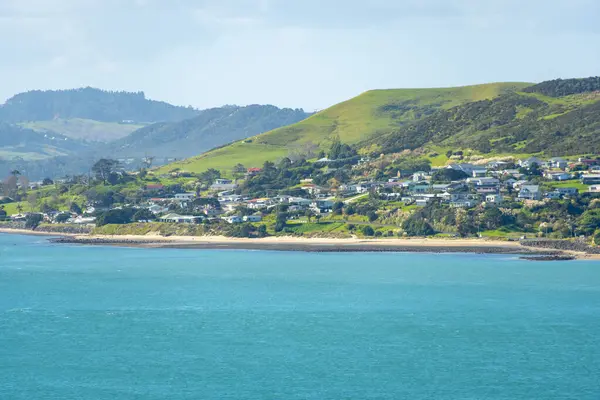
<point>565,87</point>
<point>90,103</point>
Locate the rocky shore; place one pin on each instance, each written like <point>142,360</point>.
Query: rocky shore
<point>562,245</point>
<point>336,246</point>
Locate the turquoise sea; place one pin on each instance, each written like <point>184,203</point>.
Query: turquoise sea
<point>82,322</point>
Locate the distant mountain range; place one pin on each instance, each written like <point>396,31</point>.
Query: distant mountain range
<point>56,132</point>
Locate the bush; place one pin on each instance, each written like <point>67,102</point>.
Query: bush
<point>74,208</point>
<point>144,215</point>
<point>62,218</point>
<point>368,230</point>
<point>122,216</point>
<point>417,226</point>
<point>33,221</point>
<point>372,215</point>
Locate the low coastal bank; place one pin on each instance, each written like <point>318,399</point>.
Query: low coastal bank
<point>542,250</point>
<point>312,245</point>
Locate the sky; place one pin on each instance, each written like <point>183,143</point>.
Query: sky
<point>290,53</point>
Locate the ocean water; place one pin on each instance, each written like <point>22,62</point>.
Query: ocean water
<point>116,323</point>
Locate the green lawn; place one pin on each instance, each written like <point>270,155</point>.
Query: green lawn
<point>572,183</point>
<point>506,232</point>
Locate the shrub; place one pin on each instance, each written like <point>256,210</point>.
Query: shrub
<point>33,221</point>
<point>62,218</point>
<point>417,226</point>
<point>372,215</point>
<point>368,230</point>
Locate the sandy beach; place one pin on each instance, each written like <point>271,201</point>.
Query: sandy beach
<point>314,244</point>
<point>287,243</point>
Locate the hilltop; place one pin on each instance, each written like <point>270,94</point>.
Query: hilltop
<point>371,114</point>
<point>555,118</point>
<point>92,104</point>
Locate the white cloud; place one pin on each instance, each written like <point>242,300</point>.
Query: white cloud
<point>307,53</point>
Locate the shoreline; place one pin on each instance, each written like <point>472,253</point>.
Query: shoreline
<point>319,245</point>
<point>313,245</point>
<point>29,232</point>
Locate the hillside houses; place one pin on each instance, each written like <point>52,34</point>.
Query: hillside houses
<point>530,192</point>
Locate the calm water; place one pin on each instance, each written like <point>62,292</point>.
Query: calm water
<point>114,323</point>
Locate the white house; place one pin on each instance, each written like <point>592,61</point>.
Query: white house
<point>157,209</point>
<point>557,176</point>
<point>321,205</point>
<point>234,219</point>
<point>594,189</point>
<point>422,202</point>
<point>494,199</point>
<point>567,191</point>
<point>590,179</point>
<point>530,162</point>
<point>555,195</point>
<point>479,172</point>
<point>558,162</point>
<point>420,176</point>
<point>530,192</point>
<point>222,184</point>
<point>252,218</point>
<point>185,196</point>
<point>179,219</point>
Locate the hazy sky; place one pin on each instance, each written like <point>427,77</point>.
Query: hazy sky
<point>295,53</point>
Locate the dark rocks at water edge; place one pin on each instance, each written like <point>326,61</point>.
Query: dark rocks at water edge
<point>566,245</point>
<point>550,257</point>
<point>304,247</point>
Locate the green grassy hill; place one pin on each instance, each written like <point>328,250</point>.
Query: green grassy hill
<point>554,118</point>
<point>371,114</point>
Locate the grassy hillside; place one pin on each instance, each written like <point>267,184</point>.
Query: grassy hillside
<point>527,122</point>
<point>211,128</point>
<point>19,142</point>
<point>373,113</point>
<point>84,129</point>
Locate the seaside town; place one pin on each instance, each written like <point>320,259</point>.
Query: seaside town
<point>338,195</point>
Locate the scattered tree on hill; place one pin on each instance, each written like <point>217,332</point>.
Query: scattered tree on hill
<point>368,230</point>
<point>448,175</point>
<point>103,168</point>
<point>74,208</point>
<point>47,182</point>
<point>207,177</point>
<point>116,216</point>
<point>143,214</point>
<point>415,225</point>
<point>32,221</point>
<point>309,214</point>
<point>337,208</point>
<point>281,221</point>
<point>62,218</point>
<point>339,150</point>
<point>238,170</point>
